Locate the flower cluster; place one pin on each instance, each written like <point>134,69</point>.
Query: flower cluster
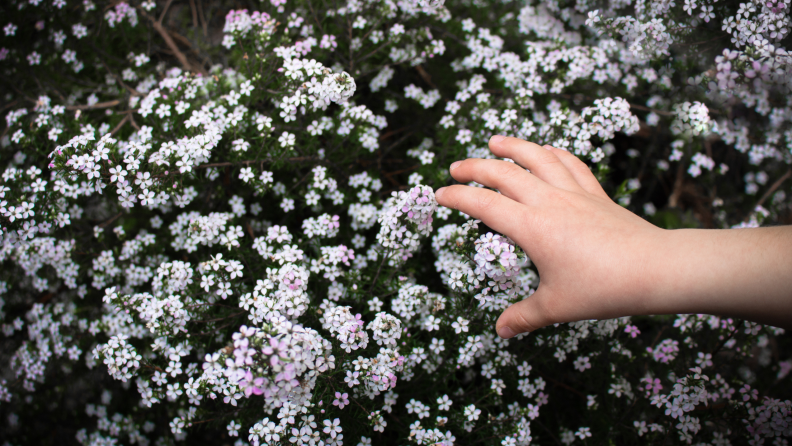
<point>498,267</point>
<point>407,217</point>
<point>215,228</point>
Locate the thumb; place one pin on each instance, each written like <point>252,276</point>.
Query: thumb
<point>525,316</point>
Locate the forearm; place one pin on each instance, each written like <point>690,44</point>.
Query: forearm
<point>745,273</point>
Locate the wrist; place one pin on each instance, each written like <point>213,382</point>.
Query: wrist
<point>731,272</point>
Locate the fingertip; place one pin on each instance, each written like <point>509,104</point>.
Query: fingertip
<point>505,332</point>
<point>439,192</point>
<point>496,139</point>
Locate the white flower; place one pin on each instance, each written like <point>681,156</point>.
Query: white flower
<point>444,403</point>
<point>246,174</point>
<point>287,140</point>
<point>332,428</point>
<point>583,433</point>
<point>233,428</point>
<point>471,413</point>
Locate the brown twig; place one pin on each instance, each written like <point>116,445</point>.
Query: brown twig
<point>194,13</point>
<point>9,105</point>
<point>673,200</point>
<point>549,432</point>
<point>703,41</point>
<point>379,270</point>
<point>98,105</point>
<point>219,318</point>
<point>387,135</point>
<point>132,121</point>
<point>653,110</point>
<point>772,189</point>
<point>396,172</point>
<point>560,384</point>
<point>202,19</point>
<point>184,41</point>
<point>164,11</point>
<point>425,76</point>
<point>202,421</point>
<point>399,141</point>
<point>112,219</point>
<point>118,79</point>
<point>266,160</point>
<point>120,124</point>
<point>168,41</point>
<point>726,339</point>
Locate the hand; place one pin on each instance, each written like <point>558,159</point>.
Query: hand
<point>593,256</point>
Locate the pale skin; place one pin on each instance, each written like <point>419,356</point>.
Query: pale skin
<point>597,260</point>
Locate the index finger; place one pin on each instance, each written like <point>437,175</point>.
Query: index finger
<point>543,163</point>
<point>509,179</point>
<point>496,211</point>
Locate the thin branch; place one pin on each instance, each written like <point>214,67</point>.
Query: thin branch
<point>565,386</point>
<point>376,276</point>
<point>118,79</point>
<point>549,433</point>
<point>168,41</point>
<point>773,188</point>
<point>184,41</point>
<point>673,200</point>
<point>653,110</point>
<point>396,172</point>
<point>299,182</point>
<point>194,13</point>
<point>703,41</point>
<point>726,339</point>
<point>266,160</point>
<point>387,135</point>
<point>399,141</point>
<point>98,105</point>
<point>219,318</point>
<point>9,105</point>
<point>374,51</point>
<point>112,219</point>
<point>164,11</point>
<point>132,121</point>
<point>202,19</point>
<point>425,76</point>
<point>120,124</point>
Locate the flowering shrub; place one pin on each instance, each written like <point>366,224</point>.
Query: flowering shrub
<point>219,223</point>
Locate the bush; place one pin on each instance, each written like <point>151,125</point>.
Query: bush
<point>219,225</point>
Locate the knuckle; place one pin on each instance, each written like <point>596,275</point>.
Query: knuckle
<point>579,168</point>
<point>548,158</point>
<point>507,170</point>
<point>523,323</point>
<point>485,201</point>
<point>548,311</point>
<point>558,196</point>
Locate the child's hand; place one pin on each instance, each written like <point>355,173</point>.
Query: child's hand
<point>597,260</point>
<point>592,254</point>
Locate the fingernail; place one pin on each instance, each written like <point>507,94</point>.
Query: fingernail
<point>505,332</point>
<point>454,165</point>
<point>497,138</point>
<point>439,193</point>
<point>548,147</point>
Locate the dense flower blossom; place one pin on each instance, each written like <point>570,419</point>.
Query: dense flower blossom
<point>233,210</point>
